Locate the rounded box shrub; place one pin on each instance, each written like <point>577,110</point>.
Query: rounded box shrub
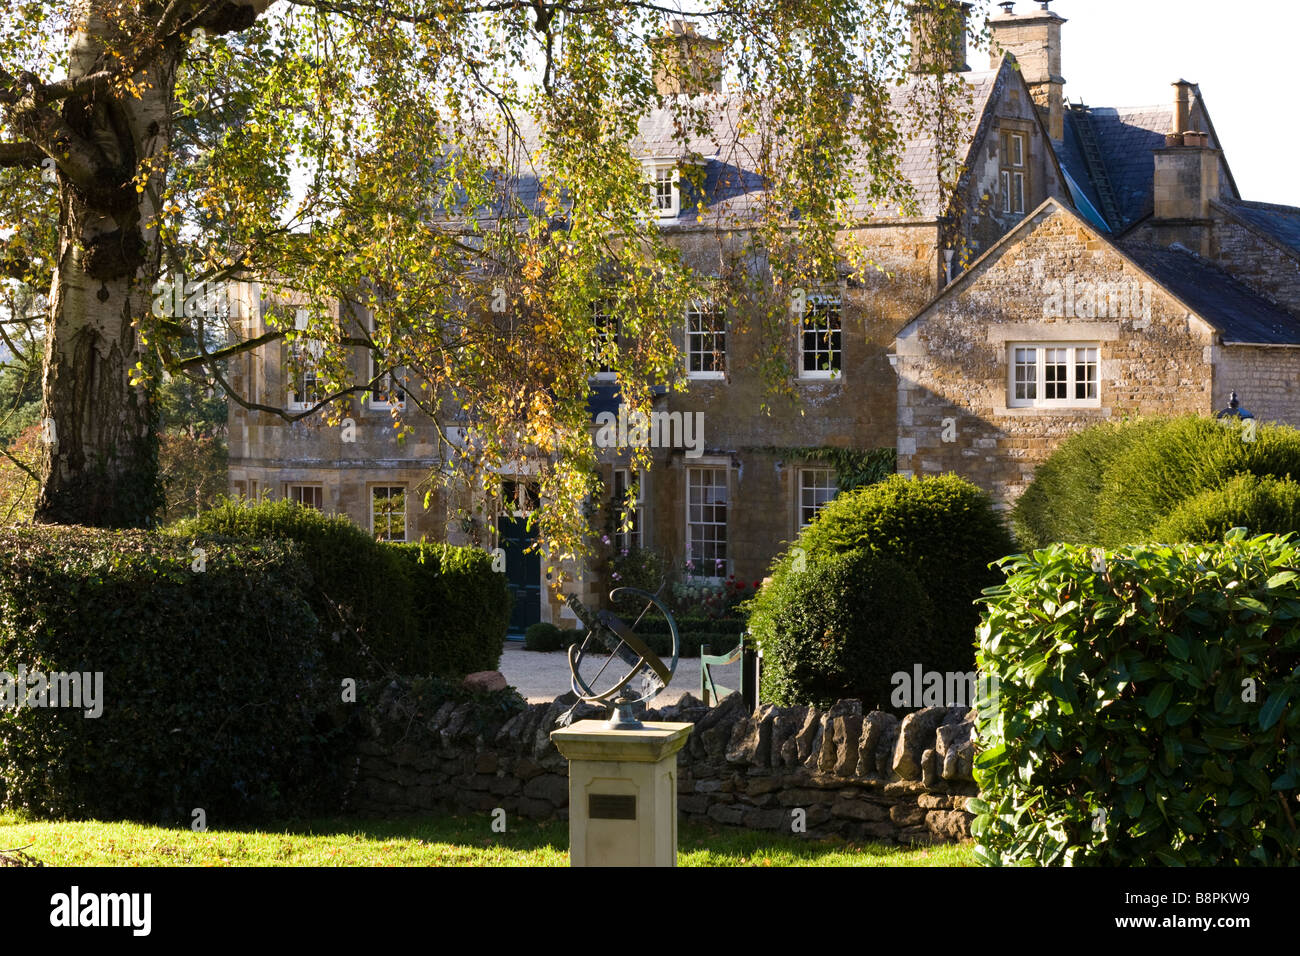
<point>1180,459</point>
<point>839,629</point>
<point>209,689</point>
<point>942,529</point>
<point>1147,706</point>
<point>1260,505</point>
<point>543,636</point>
<point>1060,503</point>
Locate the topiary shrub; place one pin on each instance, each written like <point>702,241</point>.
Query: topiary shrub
<point>942,529</point>
<point>211,681</point>
<point>839,629</point>
<point>1146,712</point>
<point>542,636</point>
<point>462,609</point>
<point>1260,505</point>
<point>1179,459</point>
<point>361,592</point>
<point>1060,504</point>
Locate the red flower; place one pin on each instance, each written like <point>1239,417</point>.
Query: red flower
<point>757,585</point>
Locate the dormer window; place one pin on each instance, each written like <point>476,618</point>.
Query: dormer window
<point>663,186</point>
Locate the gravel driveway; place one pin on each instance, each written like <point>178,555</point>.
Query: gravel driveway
<point>541,677</point>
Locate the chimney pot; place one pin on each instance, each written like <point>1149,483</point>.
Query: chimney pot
<point>1182,106</point>
<point>1008,8</point>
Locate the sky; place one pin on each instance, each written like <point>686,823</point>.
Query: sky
<point>1241,52</point>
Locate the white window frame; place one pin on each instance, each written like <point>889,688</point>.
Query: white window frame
<point>663,173</point>
<point>719,572</point>
<point>697,311</point>
<point>302,359</point>
<point>293,492</point>
<point>836,372</point>
<point>634,537</point>
<point>1039,400</point>
<point>811,482</point>
<point>394,380</point>
<point>374,497</point>
<point>601,320</point>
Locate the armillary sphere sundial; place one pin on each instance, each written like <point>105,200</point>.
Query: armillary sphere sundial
<point>625,645</point>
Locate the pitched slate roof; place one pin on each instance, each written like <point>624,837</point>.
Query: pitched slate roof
<point>1240,314</point>
<point>1126,138</point>
<point>1282,223</point>
<point>730,154</point>
<point>1237,311</point>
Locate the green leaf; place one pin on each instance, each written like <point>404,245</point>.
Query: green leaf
<point>1158,699</point>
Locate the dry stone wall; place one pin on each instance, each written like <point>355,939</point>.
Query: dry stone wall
<point>863,776</point>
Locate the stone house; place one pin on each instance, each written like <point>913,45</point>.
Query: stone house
<point>951,354</point>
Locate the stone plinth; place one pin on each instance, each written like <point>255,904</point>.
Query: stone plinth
<point>622,792</point>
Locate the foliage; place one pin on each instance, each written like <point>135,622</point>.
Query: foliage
<point>211,679</point>
<point>1260,505</point>
<point>942,529</point>
<point>461,609</point>
<point>360,591</point>
<point>192,451</point>
<point>699,597</point>
<point>1179,459</point>
<point>19,465</point>
<point>1146,713</point>
<point>642,568</point>
<point>854,468</point>
<point>1060,504</point>
<point>312,144</point>
<point>840,628</point>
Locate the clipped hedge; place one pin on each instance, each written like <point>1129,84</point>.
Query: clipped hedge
<point>360,591</point>
<point>211,678</point>
<point>1178,460</point>
<point>1148,712</point>
<point>386,608</point>
<point>839,629</point>
<point>1060,504</point>
<point>1260,505</point>
<point>942,529</point>
<point>462,609</point>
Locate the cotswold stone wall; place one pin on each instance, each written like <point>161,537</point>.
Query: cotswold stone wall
<point>863,776</point>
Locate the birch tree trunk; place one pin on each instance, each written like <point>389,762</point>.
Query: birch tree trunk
<point>100,461</point>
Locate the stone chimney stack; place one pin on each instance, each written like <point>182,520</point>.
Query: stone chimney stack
<point>938,36</point>
<point>1186,178</point>
<point>1034,39</point>
<point>686,62</point>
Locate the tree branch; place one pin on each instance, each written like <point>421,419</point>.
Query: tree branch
<point>21,155</point>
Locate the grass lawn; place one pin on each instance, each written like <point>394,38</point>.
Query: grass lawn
<point>422,841</point>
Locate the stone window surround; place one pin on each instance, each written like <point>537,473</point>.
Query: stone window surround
<point>635,537</point>
<point>717,357</point>
<point>393,378</point>
<point>293,491</point>
<point>304,353</point>
<point>708,463</point>
<point>812,472</point>
<point>390,488</point>
<point>999,338</point>
<point>1023,129</point>
<point>822,296</point>
<point>602,321</point>
<point>658,174</point>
